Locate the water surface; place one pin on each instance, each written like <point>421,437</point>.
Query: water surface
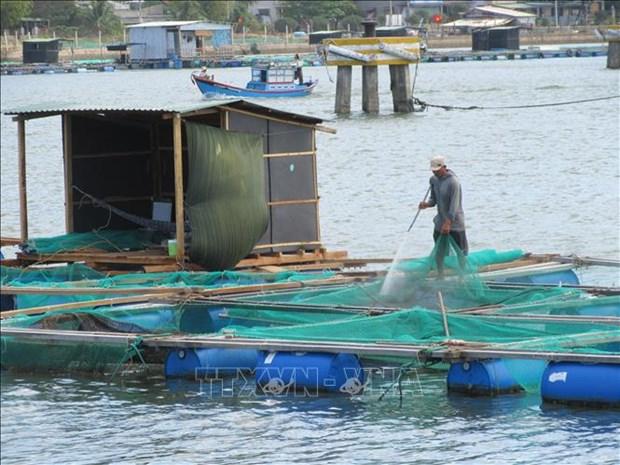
<point>543,180</point>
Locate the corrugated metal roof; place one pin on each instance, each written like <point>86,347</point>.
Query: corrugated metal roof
<point>504,11</point>
<point>481,22</point>
<point>183,25</point>
<point>64,107</point>
<point>163,24</point>
<point>203,26</point>
<point>58,108</point>
<point>41,40</point>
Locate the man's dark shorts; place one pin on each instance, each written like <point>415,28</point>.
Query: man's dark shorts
<point>459,237</point>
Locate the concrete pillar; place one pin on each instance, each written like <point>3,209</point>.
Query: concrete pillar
<point>370,76</point>
<point>401,89</point>
<point>370,89</point>
<point>343,89</point>
<point>613,54</point>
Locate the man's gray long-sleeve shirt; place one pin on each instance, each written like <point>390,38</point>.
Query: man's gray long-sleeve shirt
<point>446,194</point>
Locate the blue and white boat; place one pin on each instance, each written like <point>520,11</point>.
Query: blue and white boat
<point>267,81</point>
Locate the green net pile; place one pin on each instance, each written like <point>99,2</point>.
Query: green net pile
<point>104,240</point>
<point>78,275</point>
<point>402,307</point>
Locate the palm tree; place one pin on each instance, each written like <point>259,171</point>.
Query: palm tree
<point>99,13</point>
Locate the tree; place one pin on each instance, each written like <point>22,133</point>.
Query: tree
<point>185,10</point>
<point>12,11</point>
<point>217,10</point>
<point>99,14</point>
<point>304,11</point>
<point>352,21</point>
<point>63,16</point>
<point>281,25</point>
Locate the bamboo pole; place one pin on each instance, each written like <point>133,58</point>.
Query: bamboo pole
<point>68,167</point>
<point>444,314</point>
<point>422,352</point>
<point>23,201</point>
<point>85,304</point>
<point>178,188</point>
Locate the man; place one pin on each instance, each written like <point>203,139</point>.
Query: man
<point>298,64</point>
<point>450,219</point>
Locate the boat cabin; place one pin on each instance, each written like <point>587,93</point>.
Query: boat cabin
<point>269,76</point>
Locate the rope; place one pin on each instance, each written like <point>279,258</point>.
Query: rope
<point>132,350</point>
<point>323,57</point>
<point>426,105</point>
<point>403,370</point>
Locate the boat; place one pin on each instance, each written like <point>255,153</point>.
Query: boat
<point>268,80</point>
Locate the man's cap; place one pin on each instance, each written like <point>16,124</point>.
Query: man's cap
<point>437,162</point>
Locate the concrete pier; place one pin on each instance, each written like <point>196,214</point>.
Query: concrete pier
<point>401,89</point>
<point>370,76</point>
<point>343,90</point>
<point>370,89</point>
<point>613,54</point>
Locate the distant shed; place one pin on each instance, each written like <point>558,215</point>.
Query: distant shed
<point>505,38</point>
<point>175,40</point>
<point>132,158</point>
<point>317,36</point>
<point>41,50</point>
<point>394,31</point>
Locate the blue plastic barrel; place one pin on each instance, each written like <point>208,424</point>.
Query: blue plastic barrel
<point>596,384</point>
<point>284,372</point>
<point>484,377</point>
<point>200,363</point>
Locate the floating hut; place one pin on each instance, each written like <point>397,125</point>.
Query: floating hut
<point>41,50</point>
<point>505,37</point>
<point>236,177</point>
<point>160,42</point>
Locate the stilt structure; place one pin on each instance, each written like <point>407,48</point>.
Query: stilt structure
<point>370,52</point>
<point>613,54</point>
<point>613,49</point>
<point>370,76</point>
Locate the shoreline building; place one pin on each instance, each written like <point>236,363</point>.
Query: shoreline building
<point>162,42</point>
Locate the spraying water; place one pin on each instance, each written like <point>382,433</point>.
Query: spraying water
<point>395,280</point>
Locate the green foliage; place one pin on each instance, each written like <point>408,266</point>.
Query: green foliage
<point>98,16</point>
<point>418,16</point>
<point>320,23</point>
<point>354,21</point>
<point>185,10</point>
<point>213,10</point>
<point>306,12</point>
<point>454,11</point>
<point>217,10</point>
<point>280,24</point>
<point>242,17</point>
<point>61,14</point>
<point>11,11</point>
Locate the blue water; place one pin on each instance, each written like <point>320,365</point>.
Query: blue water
<point>82,421</point>
<point>543,180</point>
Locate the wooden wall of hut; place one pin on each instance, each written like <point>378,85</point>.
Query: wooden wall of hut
<point>127,160</point>
<point>290,184</point>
